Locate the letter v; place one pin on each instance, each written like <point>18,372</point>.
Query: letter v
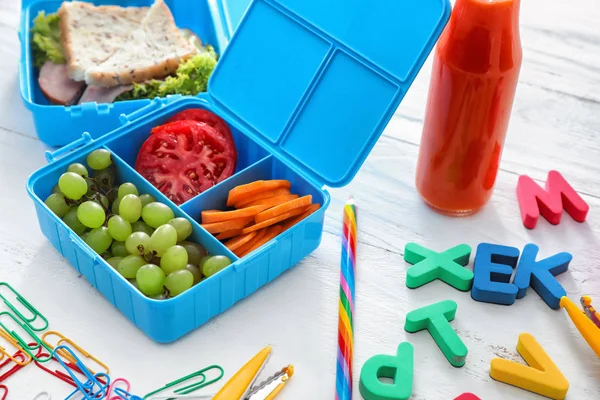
<point>542,376</point>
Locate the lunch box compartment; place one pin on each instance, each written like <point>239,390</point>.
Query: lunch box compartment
<point>317,133</point>
<point>58,125</point>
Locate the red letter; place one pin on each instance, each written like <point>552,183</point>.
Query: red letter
<point>534,200</point>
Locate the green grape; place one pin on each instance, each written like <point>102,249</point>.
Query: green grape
<point>119,228</point>
<point>99,159</point>
<point>141,226</point>
<point>72,185</point>
<point>195,252</point>
<point>57,204</point>
<point>214,264</point>
<point>130,208</point>
<point>106,255</point>
<point>115,206</point>
<point>99,239</point>
<point>114,261</point>
<point>183,228</point>
<point>91,214</point>
<point>106,177</point>
<point>179,281</point>
<point>147,199</point>
<point>118,249</point>
<point>174,259</point>
<point>202,261</point>
<point>164,236</point>
<point>138,243</point>
<point>150,279</point>
<point>195,270</point>
<point>101,199</point>
<point>134,283</point>
<point>156,214</point>
<point>127,188</point>
<point>79,169</point>
<point>129,266</point>
<point>92,187</point>
<point>72,221</point>
<point>56,189</point>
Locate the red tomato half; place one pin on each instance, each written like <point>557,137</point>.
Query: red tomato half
<point>200,115</point>
<point>183,159</point>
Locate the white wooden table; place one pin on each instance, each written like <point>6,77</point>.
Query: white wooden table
<point>555,125</point>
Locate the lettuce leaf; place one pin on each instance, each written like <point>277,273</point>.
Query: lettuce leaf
<point>190,79</point>
<point>45,40</point>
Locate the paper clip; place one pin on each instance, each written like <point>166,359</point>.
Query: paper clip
<point>14,368</point>
<point>192,387</point>
<point>113,386</point>
<point>125,395</point>
<point>72,345</point>
<point>57,373</point>
<point>25,304</point>
<point>44,396</point>
<point>87,389</point>
<point>16,345</point>
<point>5,390</point>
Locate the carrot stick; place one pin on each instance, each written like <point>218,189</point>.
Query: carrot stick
<point>272,201</point>
<point>229,234</point>
<point>301,202</point>
<point>208,217</point>
<point>241,191</point>
<point>271,233</point>
<point>246,200</point>
<point>273,221</point>
<point>223,226</point>
<point>239,241</point>
<point>293,221</point>
<point>259,235</point>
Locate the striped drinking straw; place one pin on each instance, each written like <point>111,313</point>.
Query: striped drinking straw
<point>346,305</point>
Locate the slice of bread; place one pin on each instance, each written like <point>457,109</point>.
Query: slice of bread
<point>91,34</point>
<point>154,50</point>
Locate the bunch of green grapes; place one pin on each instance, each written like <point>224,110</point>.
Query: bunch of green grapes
<point>137,235</point>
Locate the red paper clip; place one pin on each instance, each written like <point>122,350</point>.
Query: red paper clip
<point>19,356</point>
<point>5,392</point>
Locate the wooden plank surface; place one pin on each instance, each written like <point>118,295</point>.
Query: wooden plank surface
<point>555,125</point>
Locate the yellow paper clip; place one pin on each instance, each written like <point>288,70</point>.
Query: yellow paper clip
<point>585,325</point>
<point>241,385</point>
<point>62,340</point>
<point>13,342</point>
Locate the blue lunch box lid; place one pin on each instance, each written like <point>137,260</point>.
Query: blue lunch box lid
<point>317,82</point>
<point>231,13</point>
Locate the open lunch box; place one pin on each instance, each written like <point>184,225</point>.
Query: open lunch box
<point>306,87</point>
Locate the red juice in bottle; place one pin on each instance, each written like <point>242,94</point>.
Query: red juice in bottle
<point>475,73</point>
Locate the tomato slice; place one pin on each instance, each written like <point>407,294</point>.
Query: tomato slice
<point>209,118</point>
<point>184,158</point>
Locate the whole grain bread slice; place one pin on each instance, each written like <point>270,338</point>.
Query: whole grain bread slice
<point>154,50</point>
<point>91,34</point>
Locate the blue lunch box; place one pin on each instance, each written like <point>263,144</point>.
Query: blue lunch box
<point>212,20</point>
<point>307,90</point>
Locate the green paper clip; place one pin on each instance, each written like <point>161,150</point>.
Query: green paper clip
<point>192,387</point>
<point>28,348</point>
<point>25,304</point>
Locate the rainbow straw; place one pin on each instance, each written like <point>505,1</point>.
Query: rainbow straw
<point>346,307</point>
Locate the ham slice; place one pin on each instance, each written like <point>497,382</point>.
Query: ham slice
<point>57,86</point>
<point>103,94</point>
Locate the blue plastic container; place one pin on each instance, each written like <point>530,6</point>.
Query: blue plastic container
<point>307,89</point>
<point>58,125</point>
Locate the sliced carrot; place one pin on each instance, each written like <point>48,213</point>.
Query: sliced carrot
<point>246,200</point>
<point>259,235</point>
<point>241,191</point>
<point>271,233</point>
<point>273,221</point>
<point>218,227</point>
<point>208,217</point>
<point>293,221</point>
<point>229,234</point>
<point>273,201</point>
<point>239,241</point>
<point>301,202</point>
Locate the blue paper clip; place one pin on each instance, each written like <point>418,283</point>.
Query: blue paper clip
<point>88,388</point>
<point>125,395</point>
<point>27,305</point>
